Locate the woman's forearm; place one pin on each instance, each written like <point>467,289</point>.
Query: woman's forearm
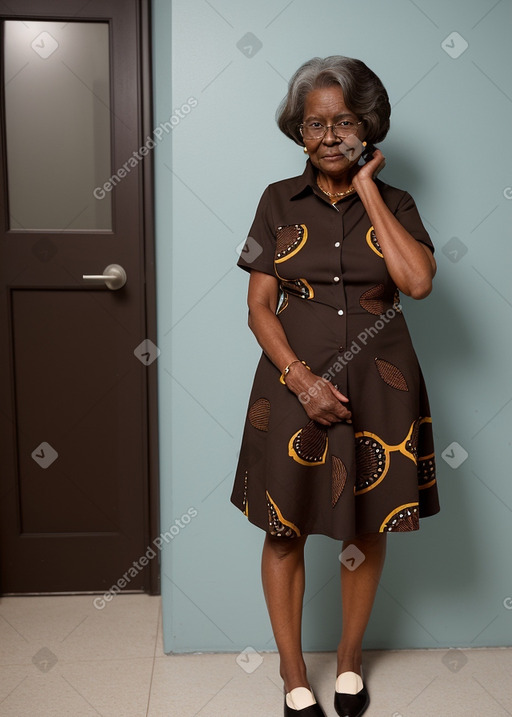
<point>270,335</point>
<point>322,402</point>
<point>409,265</point>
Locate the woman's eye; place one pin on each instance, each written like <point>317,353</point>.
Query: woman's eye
<point>315,125</point>
<point>344,123</point>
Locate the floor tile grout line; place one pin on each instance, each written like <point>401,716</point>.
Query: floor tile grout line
<point>12,626</point>
<point>85,662</point>
<point>467,648</point>
<point>13,689</point>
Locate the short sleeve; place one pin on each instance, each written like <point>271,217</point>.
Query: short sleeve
<point>259,248</point>
<point>408,216</point>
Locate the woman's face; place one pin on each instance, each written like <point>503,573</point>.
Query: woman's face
<point>327,105</point>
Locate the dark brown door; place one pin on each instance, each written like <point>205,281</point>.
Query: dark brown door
<point>78,406</point>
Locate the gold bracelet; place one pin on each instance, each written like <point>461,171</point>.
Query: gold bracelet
<point>286,370</point>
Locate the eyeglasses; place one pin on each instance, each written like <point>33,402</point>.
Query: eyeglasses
<point>317,130</point>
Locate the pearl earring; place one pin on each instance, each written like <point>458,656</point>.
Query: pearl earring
<point>305,150</point>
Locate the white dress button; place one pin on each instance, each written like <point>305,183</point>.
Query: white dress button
<point>336,278</point>
<point>340,312</point>
<point>337,244</point>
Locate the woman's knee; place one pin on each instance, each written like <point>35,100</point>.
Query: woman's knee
<point>283,547</point>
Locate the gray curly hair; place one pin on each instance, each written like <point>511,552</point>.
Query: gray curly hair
<point>363,92</point>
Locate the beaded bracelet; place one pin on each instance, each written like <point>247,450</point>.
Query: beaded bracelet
<point>286,370</point>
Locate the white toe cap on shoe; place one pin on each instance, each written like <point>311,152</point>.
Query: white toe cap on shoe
<point>349,683</point>
<point>299,698</point>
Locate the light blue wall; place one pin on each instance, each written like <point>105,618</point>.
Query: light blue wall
<point>450,147</point>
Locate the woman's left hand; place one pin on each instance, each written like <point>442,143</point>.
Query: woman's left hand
<point>369,170</point>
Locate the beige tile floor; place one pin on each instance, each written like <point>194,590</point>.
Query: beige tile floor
<point>60,657</point>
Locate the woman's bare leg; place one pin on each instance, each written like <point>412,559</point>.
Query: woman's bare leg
<point>358,589</point>
<point>282,573</point>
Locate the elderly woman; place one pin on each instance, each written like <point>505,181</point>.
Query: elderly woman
<point>338,435</point>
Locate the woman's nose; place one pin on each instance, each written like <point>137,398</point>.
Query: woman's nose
<point>329,136</point>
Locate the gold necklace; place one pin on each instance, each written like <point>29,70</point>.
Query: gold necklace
<point>336,194</point>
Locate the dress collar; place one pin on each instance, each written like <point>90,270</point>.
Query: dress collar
<point>305,183</point>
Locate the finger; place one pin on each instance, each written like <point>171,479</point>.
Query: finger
<point>331,418</point>
<point>345,417</point>
<point>338,417</point>
<point>340,396</point>
<point>377,154</point>
<point>379,168</point>
<point>343,412</point>
<point>322,421</point>
<point>335,405</point>
<point>378,161</point>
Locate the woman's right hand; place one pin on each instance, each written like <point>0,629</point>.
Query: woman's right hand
<point>320,399</point>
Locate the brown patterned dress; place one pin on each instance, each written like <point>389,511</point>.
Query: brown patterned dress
<point>341,314</point>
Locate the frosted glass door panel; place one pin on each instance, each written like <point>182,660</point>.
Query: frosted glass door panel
<point>57,107</point>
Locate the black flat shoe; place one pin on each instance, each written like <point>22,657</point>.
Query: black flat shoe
<point>351,705</point>
<point>312,711</point>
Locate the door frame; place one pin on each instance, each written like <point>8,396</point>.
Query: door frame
<point>147,229</point>
<point>147,127</point>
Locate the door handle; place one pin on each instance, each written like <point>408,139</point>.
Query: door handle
<point>113,275</point>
